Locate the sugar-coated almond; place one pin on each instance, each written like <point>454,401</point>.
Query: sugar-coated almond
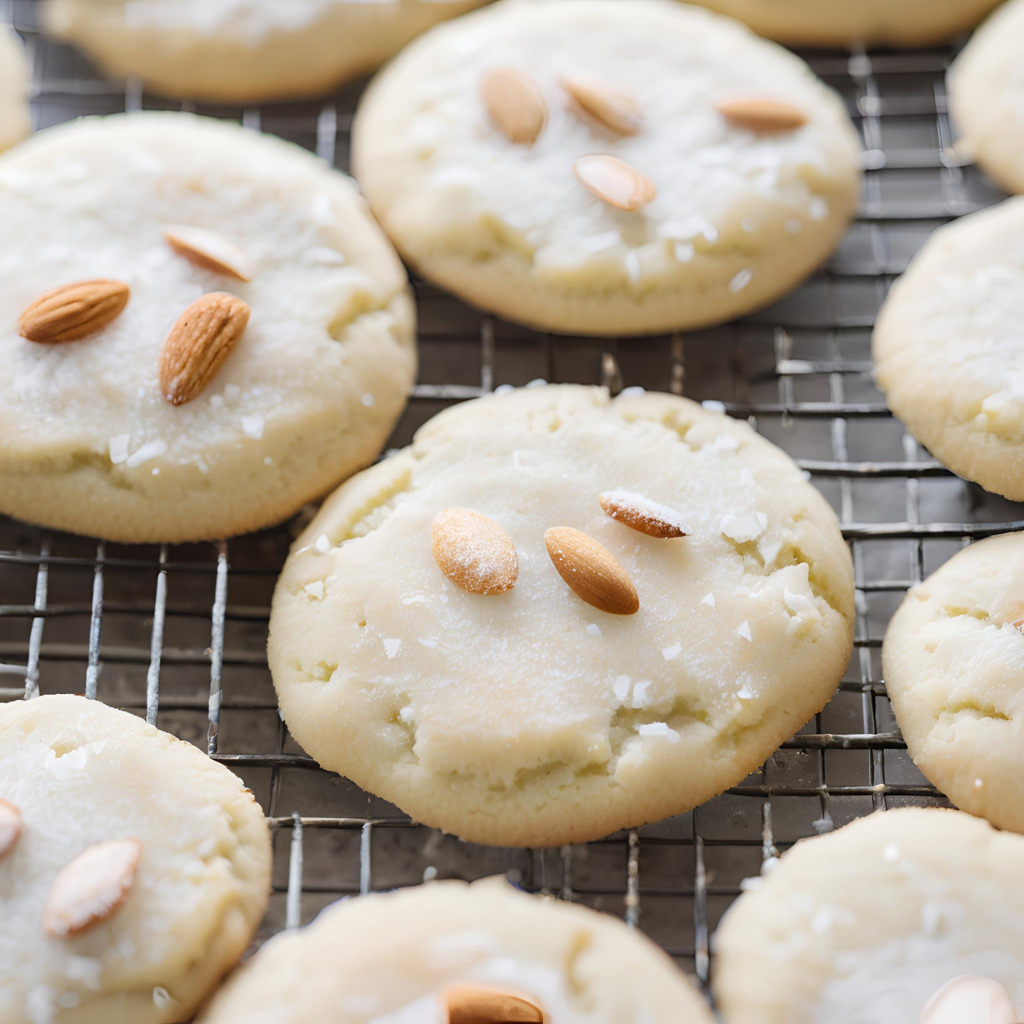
<point>605,101</point>
<point>209,250</point>
<point>73,311</point>
<point>515,104</point>
<point>970,999</point>
<point>640,513</point>
<point>614,181</point>
<point>198,344</point>
<point>10,826</point>
<point>480,1004</point>
<point>92,887</point>
<point>473,551</point>
<point>591,571</point>
<point>761,113</point>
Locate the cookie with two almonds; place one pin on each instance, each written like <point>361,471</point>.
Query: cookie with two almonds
<point>599,167</point>
<point>201,329</point>
<point>134,870</point>
<point>559,614</point>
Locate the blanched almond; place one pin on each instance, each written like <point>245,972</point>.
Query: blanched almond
<point>73,311</point>
<point>591,571</point>
<point>515,103</point>
<point>10,826</point>
<point>761,114</point>
<point>640,513</point>
<point>970,999</point>
<point>609,103</point>
<point>479,1004</point>
<point>198,344</point>
<point>614,181</point>
<point>91,887</point>
<point>474,552</point>
<point>209,250</point>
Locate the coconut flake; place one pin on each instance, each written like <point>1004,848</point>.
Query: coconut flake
<point>391,647</point>
<point>658,729</point>
<point>673,652</point>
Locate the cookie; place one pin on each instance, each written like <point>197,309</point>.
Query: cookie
<point>237,51</point>
<point>590,166</point>
<point>169,421</point>
<point>14,84</point>
<point>986,97</point>
<point>599,677</point>
<point>434,952</point>
<point>948,345</point>
<point>138,871</point>
<point>952,662</point>
<point>862,23</point>
<point>866,925</point>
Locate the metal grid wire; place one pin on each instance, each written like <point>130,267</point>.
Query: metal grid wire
<point>177,634</point>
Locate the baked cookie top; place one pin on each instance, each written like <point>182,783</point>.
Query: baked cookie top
<point>14,82</point>
<point>148,429</point>
<point>865,925</point>
<point>948,345</point>
<point>986,97</point>
<point>137,872</point>
<point>243,50</point>
<point>593,166</point>
<point>953,661</point>
<point>528,715</point>
<point>863,22</point>
<point>403,957</point>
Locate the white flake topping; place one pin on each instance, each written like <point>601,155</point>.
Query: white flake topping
<point>670,653</point>
<point>744,630</point>
<point>391,647</point>
<point>709,600</point>
<point>118,448</point>
<point>658,729</point>
<point>315,589</point>
<point>252,426</point>
<point>322,544</point>
<point>744,528</point>
<point>145,453</point>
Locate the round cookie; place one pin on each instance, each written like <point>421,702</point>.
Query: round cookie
<point>948,342</point>
<point>311,389</point>
<point>530,717</point>
<point>14,84</point>
<point>953,663</point>
<point>861,23</point>
<point>738,216</point>
<point>394,958</point>
<point>986,97</point>
<point>238,51</point>
<point>865,925</point>
<point>80,774</point>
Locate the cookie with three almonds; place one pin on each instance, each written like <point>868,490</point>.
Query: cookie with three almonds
<point>599,167</point>
<point>134,870</point>
<point>558,614</point>
<point>953,662</point>
<point>238,51</point>
<point>452,953</point>
<point>203,329</point>
<point>879,923</point>
<point>14,89</point>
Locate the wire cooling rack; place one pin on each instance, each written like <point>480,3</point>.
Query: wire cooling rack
<point>177,633</point>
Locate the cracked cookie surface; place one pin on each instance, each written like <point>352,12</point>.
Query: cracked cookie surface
<point>953,661</point>
<point>307,395</point>
<point>388,957</point>
<point>530,717</point>
<point>82,774</point>
<point>948,347</point>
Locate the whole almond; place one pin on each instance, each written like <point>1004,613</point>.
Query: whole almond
<point>478,1004</point>
<point>614,181</point>
<point>474,552</point>
<point>10,827</point>
<point>209,250</point>
<point>609,103</point>
<point>761,114</point>
<point>640,513</point>
<point>515,103</point>
<point>970,999</point>
<point>198,344</point>
<point>73,311</point>
<point>91,887</point>
<point>591,571</point>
